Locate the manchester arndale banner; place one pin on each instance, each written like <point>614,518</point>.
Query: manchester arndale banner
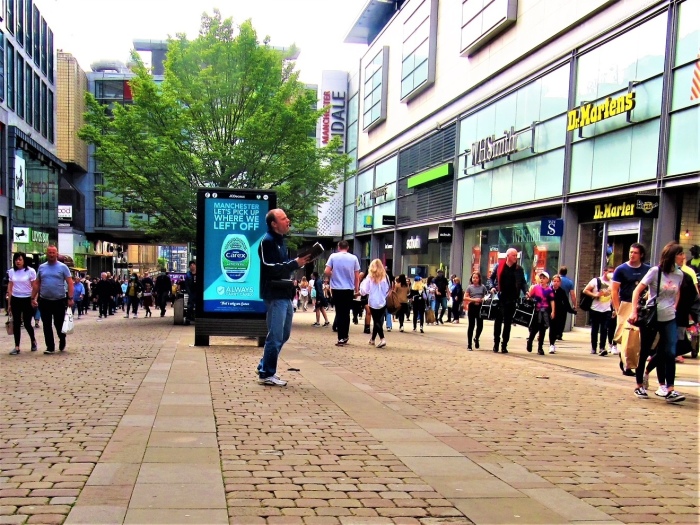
<point>20,182</point>
<point>333,123</point>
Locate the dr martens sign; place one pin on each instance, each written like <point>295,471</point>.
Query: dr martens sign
<point>592,113</point>
<point>641,206</point>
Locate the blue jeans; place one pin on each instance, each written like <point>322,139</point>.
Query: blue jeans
<point>665,351</point>
<point>279,327</point>
<point>388,319</point>
<point>440,304</point>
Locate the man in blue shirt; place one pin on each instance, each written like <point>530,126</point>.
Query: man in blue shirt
<point>49,294</point>
<point>277,290</point>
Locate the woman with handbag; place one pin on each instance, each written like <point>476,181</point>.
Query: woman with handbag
<point>664,283</point>
<point>375,287</point>
<point>473,297</point>
<point>19,299</point>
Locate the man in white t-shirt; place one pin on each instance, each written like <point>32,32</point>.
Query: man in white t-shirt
<point>600,289</point>
<point>343,268</point>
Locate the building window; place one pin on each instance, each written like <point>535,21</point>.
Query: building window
<point>29,115</point>
<point>37,102</point>
<point>419,46</point>
<point>10,19</point>
<point>375,90</point>
<point>20,86</point>
<point>36,32</point>
<point>20,22</point>
<point>351,141</point>
<point>482,21</point>
<point>28,26</point>
<point>10,75</point>
<point>44,45</point>
<point>2,66</point>
<point>50,116</point>
<point>50,72</point>
<point>44,120</point>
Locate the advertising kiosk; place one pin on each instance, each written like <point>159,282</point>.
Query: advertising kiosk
<point>230,226</point>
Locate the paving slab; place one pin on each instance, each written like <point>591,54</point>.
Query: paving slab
<point>176,517</point>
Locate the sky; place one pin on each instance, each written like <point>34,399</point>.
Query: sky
<point>93,30</point>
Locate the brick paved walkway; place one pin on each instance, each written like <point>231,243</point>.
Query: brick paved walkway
<point>133,425</point>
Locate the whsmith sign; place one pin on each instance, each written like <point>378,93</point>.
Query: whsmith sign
<point>640,206</point>
<point>492,148</point>
<point>591,113</point>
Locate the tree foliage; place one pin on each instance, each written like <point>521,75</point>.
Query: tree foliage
<point>230,113</point>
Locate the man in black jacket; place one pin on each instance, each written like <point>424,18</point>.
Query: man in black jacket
<point>277,290</point>
<point>163,288</point>
<point>441,296</point>
<point>509,281</point>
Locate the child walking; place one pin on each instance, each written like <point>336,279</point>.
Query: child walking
<point>543,297</point>
<point>148,300</point>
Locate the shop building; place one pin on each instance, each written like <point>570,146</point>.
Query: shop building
<point>567,130</point>
<point>29,168</point>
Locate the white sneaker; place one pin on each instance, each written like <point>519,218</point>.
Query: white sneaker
<point>272,381</point>
<point>662,391</point>
<point>381,344</point>
<point>613,349</point>
<point>552,349</point>
<point>135,316</point>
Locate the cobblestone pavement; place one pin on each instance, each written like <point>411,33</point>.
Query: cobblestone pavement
<point>419,432</point>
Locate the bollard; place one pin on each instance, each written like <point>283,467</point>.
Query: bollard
<point>179,311</point>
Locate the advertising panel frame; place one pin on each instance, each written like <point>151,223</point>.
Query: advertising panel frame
<point>220,308</point>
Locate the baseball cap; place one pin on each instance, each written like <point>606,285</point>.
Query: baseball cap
<point>545,274</point>
<point>440,271</point>
<point>417,278</point>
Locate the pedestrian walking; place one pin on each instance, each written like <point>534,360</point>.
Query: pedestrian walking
<point>162,289</point>
<point>457,295</point>
<point>418,296</point>
<point>103,295</point>
<point>441,296</point>
<point>543,297</point>
<point>78,295</point>
<point>562,306</point>
<point>625,279</point>
<point>320,301</point>
<point>343,268</point>
<point>402,289</point>
<point>664,283</point>
<point>277,290</point>
<point>473,297</point>
<point>49,295</point>
<point>600,290</point>
<point>509,281</point>
<point>133,294</point>
<point>375,287</point>
<point>19,300</point>
<point>304,293</point>
<point>568,286</point>
<point>147,299</point>
<point>192,289</point>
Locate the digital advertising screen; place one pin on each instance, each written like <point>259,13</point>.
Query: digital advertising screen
<point>230,226</point>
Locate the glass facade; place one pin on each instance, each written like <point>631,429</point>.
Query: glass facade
<point>623,148</point>
<point>684,133</point>
<point>533,120</point>
<point>416,43</point>
<point>374,90</point>
<point>484,247</point>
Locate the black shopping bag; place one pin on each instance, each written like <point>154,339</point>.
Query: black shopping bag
<point>524,313</point>
<point>489,308</point>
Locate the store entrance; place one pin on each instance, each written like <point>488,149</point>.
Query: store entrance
<point>618,247</point>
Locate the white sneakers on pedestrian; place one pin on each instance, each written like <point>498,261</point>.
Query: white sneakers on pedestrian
<point>552,349</point>
<point>381,344</point>
<point>662,391</point>
<point>272,381</point>
<point>613,349</point>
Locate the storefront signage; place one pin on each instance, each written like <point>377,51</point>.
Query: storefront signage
<point>552,227</point>
<point>367,221</point>
<point>378,192</point>
<point>388,246</point>
<point>413,243</point>
<point>646,206</point>
<point>388,220</point>
<point>444,233</point>
<point>436,173</point>
<point>40,237</point>
<point>65,212</point>
<point>20,182</point>
<point>592,113</point>
<point>20,235</point>
<point>492,148</point>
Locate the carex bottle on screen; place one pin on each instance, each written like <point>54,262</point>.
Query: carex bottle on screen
<point>235,258</point>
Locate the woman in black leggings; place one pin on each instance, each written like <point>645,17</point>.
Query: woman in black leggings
<point>19,293</point>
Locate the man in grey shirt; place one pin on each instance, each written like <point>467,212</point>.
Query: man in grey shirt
<point>343,268</point>
<point>49,293</point>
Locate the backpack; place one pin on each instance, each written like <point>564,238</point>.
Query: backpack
<point>392,300</point>
<point>586,301</point>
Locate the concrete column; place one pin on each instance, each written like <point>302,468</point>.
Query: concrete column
<point>457,252</point>
<point>568,251</point>
<point>665,225</point>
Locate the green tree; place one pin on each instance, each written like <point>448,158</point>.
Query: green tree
<point>230,112</point>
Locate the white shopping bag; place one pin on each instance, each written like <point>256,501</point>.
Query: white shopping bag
<point>68,323</point>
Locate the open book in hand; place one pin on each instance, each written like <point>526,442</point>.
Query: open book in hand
<point>315,252</point>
